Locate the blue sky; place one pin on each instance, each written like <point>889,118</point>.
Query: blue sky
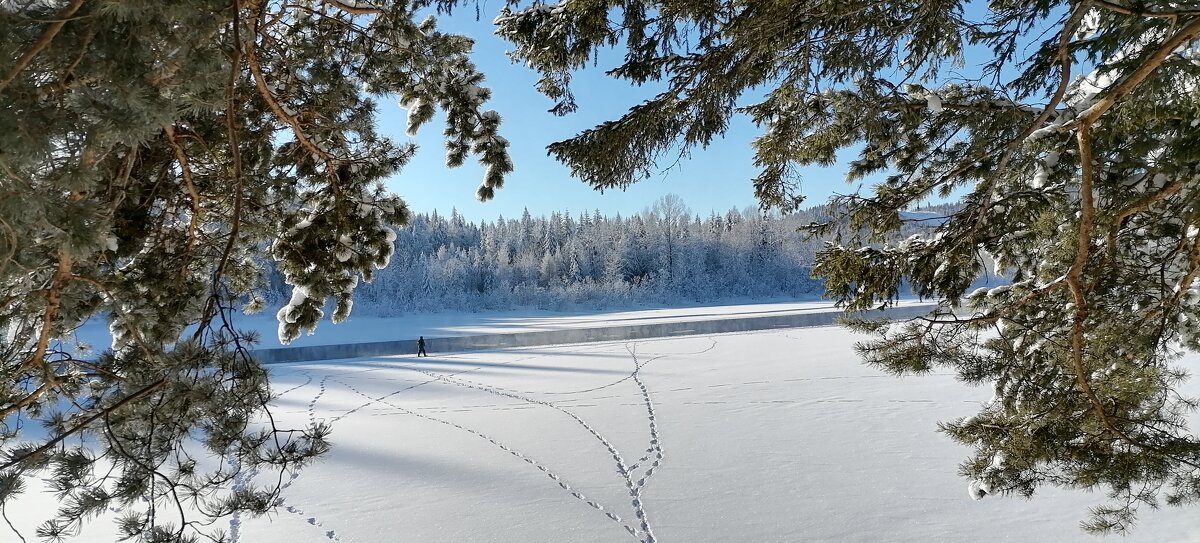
<point>714,179</point>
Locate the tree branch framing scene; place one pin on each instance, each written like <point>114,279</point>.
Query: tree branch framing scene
<point>211,289</point>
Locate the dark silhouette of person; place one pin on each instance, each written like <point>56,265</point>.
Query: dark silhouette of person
<point>421,347</point>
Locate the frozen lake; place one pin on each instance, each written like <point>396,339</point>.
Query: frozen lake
<point>770,436</point>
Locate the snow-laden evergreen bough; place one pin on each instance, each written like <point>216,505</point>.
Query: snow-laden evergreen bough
<point>1072,128</point>
<point>152,155</point>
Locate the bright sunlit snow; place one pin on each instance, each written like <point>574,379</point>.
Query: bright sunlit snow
<point>774,436</point>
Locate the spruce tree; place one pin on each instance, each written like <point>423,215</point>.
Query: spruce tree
<point>152,154</point>
<point>1070,126</point>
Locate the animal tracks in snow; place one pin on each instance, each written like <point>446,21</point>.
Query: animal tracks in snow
<point>634,476</point>
<point>654,453</point>
<point>307,380</point>
<point>558,479</point>
<point>332,535</point>
<point>235,522</point>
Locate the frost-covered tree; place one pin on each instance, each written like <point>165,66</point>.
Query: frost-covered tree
<point>1070,126</point>
<point>151,154</point>
<point>673,215</point>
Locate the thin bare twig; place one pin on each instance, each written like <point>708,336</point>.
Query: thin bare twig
<point>43,42</point>
<point>4,513</point>
<point>1075,273</point>
<point>264,90</point>
<point>1136,77</point>
<point>186,170</point>
<point>1145,202</point>
<point>23,402</point>
<point>59,438</point>
<point>62,276</point>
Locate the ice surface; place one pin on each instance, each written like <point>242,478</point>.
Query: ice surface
<point>362,328</point>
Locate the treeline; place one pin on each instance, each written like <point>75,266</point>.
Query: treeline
<point>664,255</point>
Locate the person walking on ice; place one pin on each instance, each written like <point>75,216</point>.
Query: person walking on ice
<point>421,347</point>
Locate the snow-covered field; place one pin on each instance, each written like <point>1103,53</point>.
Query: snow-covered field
<point>771,436</point>
<point>774,436</point>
